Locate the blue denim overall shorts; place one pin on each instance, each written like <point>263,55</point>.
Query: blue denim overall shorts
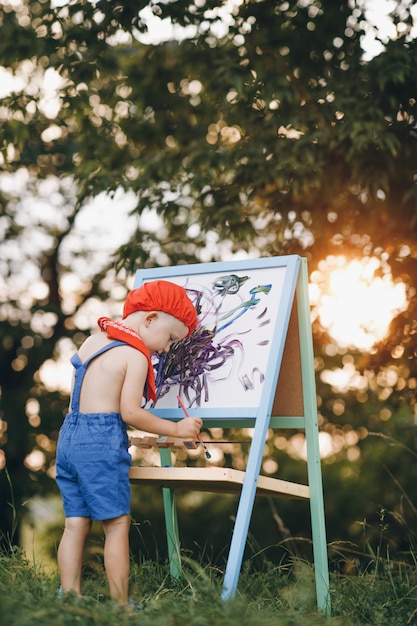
<point>92,460</point>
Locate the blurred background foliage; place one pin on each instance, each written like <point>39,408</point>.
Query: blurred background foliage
<point>245,129</point>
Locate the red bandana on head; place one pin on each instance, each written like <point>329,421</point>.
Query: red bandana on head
<point>162,295</point>
<point>120,332</point>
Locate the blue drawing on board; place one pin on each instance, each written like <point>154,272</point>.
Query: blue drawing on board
<point>242,308</point>
<point>211,354</point>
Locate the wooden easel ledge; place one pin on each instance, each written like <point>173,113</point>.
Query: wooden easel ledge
<point>153,441</point>
<point>215,480</point>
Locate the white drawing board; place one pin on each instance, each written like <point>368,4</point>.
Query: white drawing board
<point>232,360</point>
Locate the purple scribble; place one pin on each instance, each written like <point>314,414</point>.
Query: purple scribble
<point>264,323</point>
<point>191,364</point>
<point>249,382</point>
<point>261,315</point>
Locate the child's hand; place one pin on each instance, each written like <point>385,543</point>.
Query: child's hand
<point>189,428</point>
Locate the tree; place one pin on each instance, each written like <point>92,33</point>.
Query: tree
<point>262,130</point>
<point>39,324</point>
<point>286,141</point>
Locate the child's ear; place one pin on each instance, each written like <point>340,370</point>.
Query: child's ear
<point>150,317</point>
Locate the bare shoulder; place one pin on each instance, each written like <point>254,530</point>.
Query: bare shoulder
<point>123,353</point>
<point>93,343</point>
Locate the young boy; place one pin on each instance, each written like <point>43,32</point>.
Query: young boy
<point>113,371</point>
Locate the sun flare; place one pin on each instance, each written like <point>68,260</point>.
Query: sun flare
<point>355,301</point>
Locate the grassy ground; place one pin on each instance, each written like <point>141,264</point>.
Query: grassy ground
<point>385,594</point>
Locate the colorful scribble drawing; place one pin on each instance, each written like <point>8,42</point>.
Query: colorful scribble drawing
<point>242,308</point>
<point>211,354</point>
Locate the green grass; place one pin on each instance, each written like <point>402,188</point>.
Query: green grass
<point>383,594</point>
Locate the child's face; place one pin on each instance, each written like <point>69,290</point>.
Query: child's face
<point>161,331</point>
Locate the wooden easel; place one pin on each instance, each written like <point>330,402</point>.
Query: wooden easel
<point>287,401</point>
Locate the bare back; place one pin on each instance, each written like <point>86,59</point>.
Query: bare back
<point>109,373</point>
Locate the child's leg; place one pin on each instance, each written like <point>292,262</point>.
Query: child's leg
<point>116,557</point>
<point>70,552</point>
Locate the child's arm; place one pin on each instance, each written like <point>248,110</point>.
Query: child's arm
<point>131,395</point>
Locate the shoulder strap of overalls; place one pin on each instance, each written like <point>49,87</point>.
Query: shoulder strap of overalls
<point>80,370</point>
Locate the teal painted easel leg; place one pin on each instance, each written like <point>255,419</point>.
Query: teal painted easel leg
<point>319,537</point>
<point>318,526</point>
<point>171,522</point>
